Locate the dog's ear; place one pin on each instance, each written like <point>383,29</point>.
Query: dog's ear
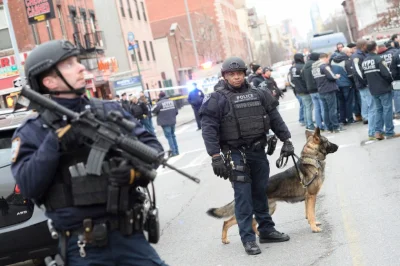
<point>309,133</point>
<point>317,135</point>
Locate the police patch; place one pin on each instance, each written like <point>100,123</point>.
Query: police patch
<point>206,98</point>
<point>16,143</point>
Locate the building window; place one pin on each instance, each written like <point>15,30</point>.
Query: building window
<point>122,8</point>
<point>5,38</point>
<point>73,20</point>
<point>159,84</point>
<point>137,10</point>
<point>61,20</point>
<point>144,11</point>
<point>92,23</point>
<point>35,34</point>
<point>139,54</point>
<point>129,8</point>
<point>152,51</point>
<point>49,30</point>
<point>146,51</point>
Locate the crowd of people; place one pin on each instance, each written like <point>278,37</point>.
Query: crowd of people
<point>356,83</point>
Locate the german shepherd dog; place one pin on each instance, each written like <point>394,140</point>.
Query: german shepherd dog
<point>286,187</point>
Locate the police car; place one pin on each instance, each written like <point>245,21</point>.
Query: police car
<point>24,234</point>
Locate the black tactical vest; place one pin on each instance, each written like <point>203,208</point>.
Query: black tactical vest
<point>72,186</point>
<point>247,117</point>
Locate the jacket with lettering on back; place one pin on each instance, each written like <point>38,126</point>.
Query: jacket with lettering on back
<point>377,74</point>
<point>324,77</point>
<point>306,74</point>
<point>357,58</point>
<point>300,86</point>
<point>387,54</point>
<point>166,112</point>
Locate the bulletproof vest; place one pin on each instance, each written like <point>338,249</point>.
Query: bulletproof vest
<point>72,186</point>
<point>247,118</point>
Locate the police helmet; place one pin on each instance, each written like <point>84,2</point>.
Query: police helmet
<point>233,64</point>
<point>44,58</point>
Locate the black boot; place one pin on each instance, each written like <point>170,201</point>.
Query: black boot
<point>274,236</point>
<point>251,248</point>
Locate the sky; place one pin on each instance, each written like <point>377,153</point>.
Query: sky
<point>297,10</point>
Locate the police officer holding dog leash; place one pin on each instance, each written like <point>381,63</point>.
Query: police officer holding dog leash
<point>235,119</point>
<point>48,163</point>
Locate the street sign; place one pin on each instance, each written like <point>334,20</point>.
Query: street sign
<point>131,37</point>
<point>131,47</point>
<point>18,82</point>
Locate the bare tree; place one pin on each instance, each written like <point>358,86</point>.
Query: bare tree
<point>207,44</point>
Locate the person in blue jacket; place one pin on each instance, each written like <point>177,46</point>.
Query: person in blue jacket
<point>341,65</point>
<point>49,168</point>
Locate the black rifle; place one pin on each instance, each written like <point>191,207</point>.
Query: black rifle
<point>107,136</point>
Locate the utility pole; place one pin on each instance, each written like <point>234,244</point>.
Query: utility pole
<point>14,41</point>
<point>191,34</point>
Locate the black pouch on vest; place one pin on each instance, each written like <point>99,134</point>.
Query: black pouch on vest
<point>89,190</point>
<point>252,125</point>
<point>267,122</point>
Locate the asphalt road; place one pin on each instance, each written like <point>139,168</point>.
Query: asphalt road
<point>358,205</point>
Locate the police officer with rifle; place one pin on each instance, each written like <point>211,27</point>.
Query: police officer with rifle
<point>89,163</point>
<point>235,119</point>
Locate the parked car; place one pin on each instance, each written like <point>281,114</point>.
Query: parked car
<point>280,76</point>
<point>24,234</point>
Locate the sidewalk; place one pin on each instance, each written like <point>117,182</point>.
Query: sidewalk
<point>185,116</point>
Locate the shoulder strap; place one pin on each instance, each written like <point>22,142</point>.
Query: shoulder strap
<point>97,107</point>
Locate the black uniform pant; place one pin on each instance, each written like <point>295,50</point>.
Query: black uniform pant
<point>196,110</point>
<point>251,198</point>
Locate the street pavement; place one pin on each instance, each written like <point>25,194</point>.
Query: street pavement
<point>358,205</point>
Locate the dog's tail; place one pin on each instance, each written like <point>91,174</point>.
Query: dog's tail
<point>225,211</point>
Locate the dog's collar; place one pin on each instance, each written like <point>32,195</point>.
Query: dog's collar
<point>309,161</point>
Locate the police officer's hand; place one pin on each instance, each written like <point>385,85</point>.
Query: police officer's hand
<point>287,149</point>
<point>123,174</point>
<point>219,166</point>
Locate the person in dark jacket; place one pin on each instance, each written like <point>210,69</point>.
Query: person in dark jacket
<point>380,84</point>
<point>327,88</point>
<point>257,78</point>
<point>339,47</point>
<point>147,118</point>
<point>271,83</point>
<point>166,112</point>
<point>341,65</point>
<point>386,52</point>
<point>301,109</point>
<point>49,159</point>
<point>395,69</point>
<point>307,76</point>
<point>125,103</point>
<point>235,120</point>
<point>300,87</point>
<point>195,99</point>
<point>367,102</point>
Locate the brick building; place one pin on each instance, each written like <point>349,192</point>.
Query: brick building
<point>120,19</point>
<point>215,16</point>
<point>74,20</point>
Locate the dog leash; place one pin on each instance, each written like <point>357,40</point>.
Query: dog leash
<point>280,163</point>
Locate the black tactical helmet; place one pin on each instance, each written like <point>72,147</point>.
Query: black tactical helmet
<point>233,64</point>
<point>45,57</point>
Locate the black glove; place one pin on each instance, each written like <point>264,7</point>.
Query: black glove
<point>123,174</point>
<point>219,167</point>
<point>287,149</point>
